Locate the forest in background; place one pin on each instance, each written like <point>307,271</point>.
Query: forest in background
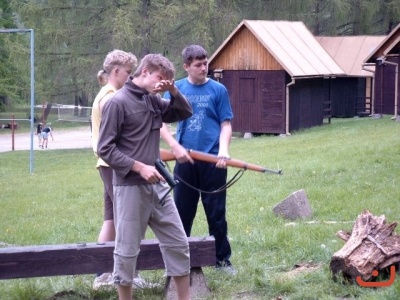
<point>72,37</point>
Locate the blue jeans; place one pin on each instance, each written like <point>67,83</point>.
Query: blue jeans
<point>206,177</point>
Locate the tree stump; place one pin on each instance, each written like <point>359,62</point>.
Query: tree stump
<point>372,245</point>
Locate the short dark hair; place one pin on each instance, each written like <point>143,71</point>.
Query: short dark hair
<point>192,52</point>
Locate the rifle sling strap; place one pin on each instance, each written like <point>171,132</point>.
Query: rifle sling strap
<point>227,185</point>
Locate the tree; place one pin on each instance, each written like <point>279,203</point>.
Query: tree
<point>72,37</point>
<point>11,79</point>
<point>71,42</point>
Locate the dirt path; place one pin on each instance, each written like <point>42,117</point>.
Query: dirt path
<point>63,139</point>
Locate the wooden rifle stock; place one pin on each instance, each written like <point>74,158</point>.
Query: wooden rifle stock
<point>167,155</point>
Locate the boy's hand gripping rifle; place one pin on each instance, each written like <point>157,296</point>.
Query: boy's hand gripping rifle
<point>167,155</point>
<point>161,168</point>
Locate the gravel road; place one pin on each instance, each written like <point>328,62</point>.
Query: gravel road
<point>63,139</point>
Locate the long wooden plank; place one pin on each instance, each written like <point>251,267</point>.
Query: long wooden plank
<point>90,258</point>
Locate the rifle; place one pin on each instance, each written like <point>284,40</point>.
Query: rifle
<point>167,155</point>
<point>160,166</point>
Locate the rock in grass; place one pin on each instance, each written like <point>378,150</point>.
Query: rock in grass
<point>296,206</point>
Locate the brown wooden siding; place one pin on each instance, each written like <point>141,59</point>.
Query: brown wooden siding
<point>273,93</point>
<point>306,103</point>
<point>257,99</point>
<point>347,96</point>
<point>385,88</point>
<point>245,52</point>
<point>363,98</point>
<point>368,94</point>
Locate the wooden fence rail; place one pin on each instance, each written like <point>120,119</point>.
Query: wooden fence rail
<point>90,258</point>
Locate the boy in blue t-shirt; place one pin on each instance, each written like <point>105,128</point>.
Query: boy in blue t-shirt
<point>208,130</point>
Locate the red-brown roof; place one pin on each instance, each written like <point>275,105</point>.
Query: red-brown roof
<point>351,51</point>
<point>390,45</point>
<point>292,45</point>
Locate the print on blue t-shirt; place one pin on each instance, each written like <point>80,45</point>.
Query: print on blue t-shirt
<point>211,106</point>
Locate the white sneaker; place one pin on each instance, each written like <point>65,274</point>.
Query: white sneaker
<point>104,280</point>
<point>140,283</point>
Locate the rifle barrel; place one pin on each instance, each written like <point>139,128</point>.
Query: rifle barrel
<point>206,157</point>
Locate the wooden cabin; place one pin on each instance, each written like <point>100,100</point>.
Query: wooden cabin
<point>351,94</point>
<point>278,76</point>
<point>386,59</point>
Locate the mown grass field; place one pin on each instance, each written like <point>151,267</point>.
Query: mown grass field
<point>345,168</point>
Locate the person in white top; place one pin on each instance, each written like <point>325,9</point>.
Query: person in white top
<point>117,67</point>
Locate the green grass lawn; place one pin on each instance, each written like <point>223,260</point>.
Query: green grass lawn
<point>345,168</point>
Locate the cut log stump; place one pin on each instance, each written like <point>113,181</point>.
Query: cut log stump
<point>371,245</point>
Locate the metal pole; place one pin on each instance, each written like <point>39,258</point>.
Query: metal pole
<point>32,96</point>
<point>12,132</point>
<point>32,84</point>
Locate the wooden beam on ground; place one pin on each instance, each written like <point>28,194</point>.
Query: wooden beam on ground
<point>91,258</point>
